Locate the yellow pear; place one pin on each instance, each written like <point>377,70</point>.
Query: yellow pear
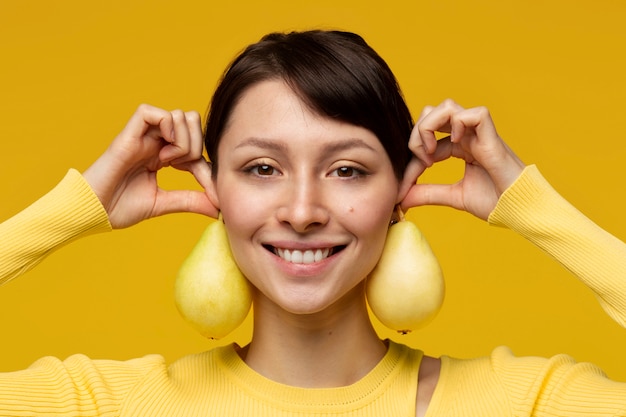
<point>405,290</point>
<point>211,292</point>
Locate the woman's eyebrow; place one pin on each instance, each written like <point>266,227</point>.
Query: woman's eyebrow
<point>262,143</point>
<point>330,147</point>
<point>345,144</point>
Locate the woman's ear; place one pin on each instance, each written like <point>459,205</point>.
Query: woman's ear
<point>208,204</point>
<point>413,170</point>
<point>211,187</point>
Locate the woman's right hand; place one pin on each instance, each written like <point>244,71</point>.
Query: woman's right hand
<point>125,177</point>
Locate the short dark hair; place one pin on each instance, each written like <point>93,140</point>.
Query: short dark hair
<point>337,74</point>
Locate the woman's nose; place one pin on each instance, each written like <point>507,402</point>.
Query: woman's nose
<point>304,206</point>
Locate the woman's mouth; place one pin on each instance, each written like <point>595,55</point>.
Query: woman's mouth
<point>307,256</point>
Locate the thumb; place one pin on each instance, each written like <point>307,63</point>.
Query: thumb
<point>184,201</point>
<point>432,194</point>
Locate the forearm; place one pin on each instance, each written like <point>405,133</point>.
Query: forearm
<point>533,209</point>
<point>69,211</point>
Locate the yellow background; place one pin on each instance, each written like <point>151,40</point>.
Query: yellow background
<point>72,72</point>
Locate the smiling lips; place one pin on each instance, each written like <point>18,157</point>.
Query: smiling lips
<point>308,256</point>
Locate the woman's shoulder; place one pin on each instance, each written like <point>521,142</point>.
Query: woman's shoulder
<point>81,366</point>
<point>504,364</point>
<point>204,361</point>
<point>501,382</point>
<point>52,386</point>
<point>504,368</point>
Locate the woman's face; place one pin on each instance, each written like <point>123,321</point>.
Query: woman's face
<point>306,199</point>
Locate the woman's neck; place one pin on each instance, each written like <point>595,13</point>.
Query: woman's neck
<point>335,347</point>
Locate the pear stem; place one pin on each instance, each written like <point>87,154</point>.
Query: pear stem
<point>400,213</point>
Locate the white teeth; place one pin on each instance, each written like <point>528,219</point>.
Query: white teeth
<point>296,257</point>
<point>299,257</point>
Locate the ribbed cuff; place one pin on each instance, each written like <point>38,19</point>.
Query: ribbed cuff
<point>532,208</point>
<point>69,211</point>
<point>520,198</point>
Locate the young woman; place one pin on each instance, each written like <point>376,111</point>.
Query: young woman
<point>311,148</point>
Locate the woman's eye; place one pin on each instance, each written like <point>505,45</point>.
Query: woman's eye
<point>345,172</point>
<point>348,172</point>
<point>263,170</point>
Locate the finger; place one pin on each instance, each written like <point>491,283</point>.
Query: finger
<point>141,138</point>
<point>194,124</point>
<point>477,119</point>
<point>189,138</point>
<point>475,132</point>
<point>194,137</point>
<point>200,169</point>
<point>146,117</point>
<point>489,150</point>
<point>437,120</point>
<point>179,142</point>
<point>432,194</point>
<point>418,148</point>
<point>412,172</point>
<point>416,142</point>
<point>447,149</point>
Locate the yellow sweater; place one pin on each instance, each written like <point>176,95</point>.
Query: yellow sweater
<point>219,383</point>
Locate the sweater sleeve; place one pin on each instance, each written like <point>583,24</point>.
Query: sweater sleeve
<point>505,385</point>
<point>532,208</point>
<point>77,386</point>
<point>69,211</point>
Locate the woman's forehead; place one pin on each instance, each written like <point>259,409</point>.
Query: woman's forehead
<point>271,112</point>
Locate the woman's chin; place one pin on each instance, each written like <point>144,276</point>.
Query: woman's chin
<point>307,304</point>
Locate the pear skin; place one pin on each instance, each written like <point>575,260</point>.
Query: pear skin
<point>211,293</point>
<point>405,291</point>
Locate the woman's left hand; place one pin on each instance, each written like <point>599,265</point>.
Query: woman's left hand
<point>490,165</point>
